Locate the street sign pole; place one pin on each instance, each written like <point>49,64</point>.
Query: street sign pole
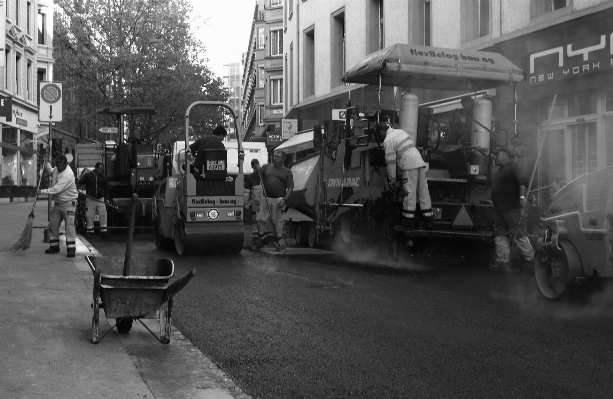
<point>49,152</point>
<point>50,110</point>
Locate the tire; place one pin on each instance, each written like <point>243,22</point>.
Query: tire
<point>161,242</point>
<point>300,235</point>
<point>124,325</point>
<point>180,239</point>
<point>554,272</point>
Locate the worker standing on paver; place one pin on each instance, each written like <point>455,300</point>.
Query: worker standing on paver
<point>400,153</point>
<point>96,187</point>
<point>64,192</point>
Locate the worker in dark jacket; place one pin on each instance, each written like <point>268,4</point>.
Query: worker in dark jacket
<point>509,189</point>
<point>96,186</point>
<point>208,142</point>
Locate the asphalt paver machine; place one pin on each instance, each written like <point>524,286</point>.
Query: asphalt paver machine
<point>575,246</point>
<point>341,188</point>
<point>201,211</point>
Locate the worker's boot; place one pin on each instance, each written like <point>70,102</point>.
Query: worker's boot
<point>430,223</point>
<point>71,252</point>
<point>408,224</point>
<point>52,250</point>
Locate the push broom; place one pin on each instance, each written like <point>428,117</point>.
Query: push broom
<point>25,239</point>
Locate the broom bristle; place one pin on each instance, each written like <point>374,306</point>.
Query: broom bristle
<point>25,239</point>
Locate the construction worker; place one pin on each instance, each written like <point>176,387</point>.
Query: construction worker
<point>508,193</point>
<point>96,187</point>
<point>400,152</point>
<point>208,142</point>
<point>278,184</point>
<point>64,192</point>
<point>253,191</point>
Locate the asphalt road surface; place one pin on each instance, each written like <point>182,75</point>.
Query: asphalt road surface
<point>322,326</point>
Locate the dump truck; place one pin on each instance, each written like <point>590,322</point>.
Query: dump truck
<point>340,188</point>
<point>201,211</point>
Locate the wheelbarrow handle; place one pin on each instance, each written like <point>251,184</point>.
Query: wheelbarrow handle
<point>179,284</point>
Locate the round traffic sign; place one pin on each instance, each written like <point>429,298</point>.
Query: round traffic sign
<point>51,93</point>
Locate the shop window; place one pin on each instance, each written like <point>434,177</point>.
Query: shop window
<point>609,101</point>
<point>582,104</point>
<point>9,167</point>
<point>584,149</point>
<point>544,108</point>
<point>608,138</point>
<point>540,7</point>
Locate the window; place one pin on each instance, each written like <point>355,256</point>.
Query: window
<point>540,7</point>
<point>276,3</point>
<point>41,75</point>
<point>276,42</point>
<point>29,81</point>
<point>42,27</point>
<point>261,76</point>
<point>584,149</point>
<point>17,7</point>
<point>17,88</point>
<point>7,68</point>
<point>381,26</point>
<point>309,62</point>
<point>425,23</point>
<point>29,19</point>
<point>276,91</point>
<point>476,18</point>
<point>260,114</point>
<point>337,48</point>
<point>291,75</point>
<point>372,26</point>
<point>261,38</point>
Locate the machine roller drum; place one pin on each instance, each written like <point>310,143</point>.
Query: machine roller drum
<point>555,270</point>
<point>218,238</point>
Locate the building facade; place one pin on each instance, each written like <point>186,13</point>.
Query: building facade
<point>263,87</point>
<point>233,83</point>
<point>28,59</point>
<point>565,48</point>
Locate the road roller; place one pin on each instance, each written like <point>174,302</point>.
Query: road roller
<point>576,239</point>
<point>201,210</point>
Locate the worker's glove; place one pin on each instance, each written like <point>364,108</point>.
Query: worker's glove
<point>81,191</point>
<point>391,184</point>
<point>523,202</point>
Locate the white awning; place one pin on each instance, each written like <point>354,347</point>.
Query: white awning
<point>300,142</point>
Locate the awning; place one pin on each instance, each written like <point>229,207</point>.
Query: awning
<point>300,142</point>
<point>407,65</point>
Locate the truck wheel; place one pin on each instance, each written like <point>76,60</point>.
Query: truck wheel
<point>180,239</point>
<point>301,234</point>
<point>161,242</point>
<point>311,235</point>
<point>344,231</point>
<point>555,271</point>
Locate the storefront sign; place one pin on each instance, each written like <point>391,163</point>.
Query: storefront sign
<point>21,122</point>
<point>6,108</point>
<point>288,128</point>
<point>577,58</point>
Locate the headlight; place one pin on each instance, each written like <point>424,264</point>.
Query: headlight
<point>213,214</point>
<point>230,213</point>
<point>199,214</point>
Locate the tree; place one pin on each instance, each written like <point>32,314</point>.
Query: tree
<point>133,53</point>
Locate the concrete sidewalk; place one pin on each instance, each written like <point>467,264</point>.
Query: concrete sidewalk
<point>45,323</point>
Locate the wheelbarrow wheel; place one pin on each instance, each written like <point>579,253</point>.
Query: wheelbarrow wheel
<point>95,321</point>
<point>96,306</point>
<point>124,325</point>
<point>166,321</point>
